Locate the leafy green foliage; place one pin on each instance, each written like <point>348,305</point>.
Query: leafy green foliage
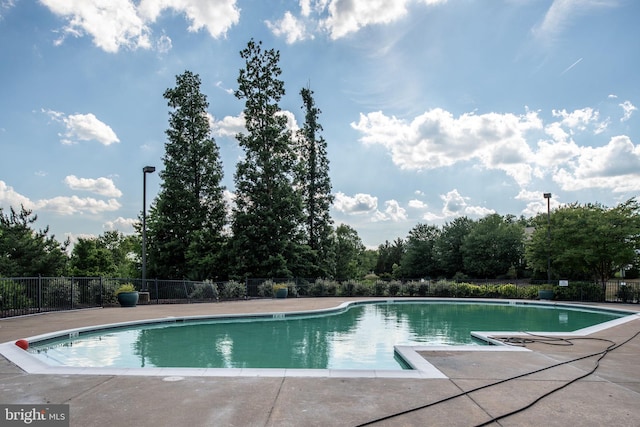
<point>493,246</point>
<point>25,251</point>
<point>125,287</point>
<point>112,254</point>
<point>267,217</point>
<point>586,241</point>
<point>204,291</point>
<point>349,249</point>
<point>419,259</point>
<point>448,246</point>
<point>312,178</point>
<point>13,295</point>
<point>233,290</point>
<point>389,254</point>
<point>186,220</point>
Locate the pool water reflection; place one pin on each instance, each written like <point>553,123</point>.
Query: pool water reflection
<point>360,337</point>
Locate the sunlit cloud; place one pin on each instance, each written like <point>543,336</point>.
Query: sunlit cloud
<point>83,127</point>
<point>102,186</point>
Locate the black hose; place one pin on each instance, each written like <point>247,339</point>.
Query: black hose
<point>539,338</point>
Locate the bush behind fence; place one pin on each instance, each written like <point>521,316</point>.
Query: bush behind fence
<point>28,295</point>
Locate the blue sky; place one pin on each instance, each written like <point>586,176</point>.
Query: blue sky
<point>432,109</point>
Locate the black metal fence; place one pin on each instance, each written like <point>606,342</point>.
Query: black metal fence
<point>28,295</point>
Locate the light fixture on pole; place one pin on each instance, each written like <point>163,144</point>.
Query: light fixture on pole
<point>548,197</point>
<point>145,171</point>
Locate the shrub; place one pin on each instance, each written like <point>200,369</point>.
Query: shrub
<point>293,289</point>
<point>347,288</point>
<point>323,287</point>
<point>13,295</point>
<point>127,287</point>
<point>441,289</point>
<point>507,291</point>
<point>581,291</point>
<point>361,289</point>
<point>60,293</point>
<point>204,290</point>
<point>265,289</point>
<point>529,292</point>
<point>233,290</point>
<point>394,288</point>
<point>412,288</point>
<point>423,289</point>
<point>380,288</point>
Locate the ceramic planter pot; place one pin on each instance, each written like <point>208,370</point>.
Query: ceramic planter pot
<point>128,299</point>
<point>545,294</point>
<point>282,293</point>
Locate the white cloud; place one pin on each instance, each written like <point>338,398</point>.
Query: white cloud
<point>83,127</point>
<point>552,154</point>
<point>340,18</point>
<point>102,186</point>
<point>417,204</point>
<point>456,205</point>
<point>164,44</point>
<point>292,123</point>
<point>216,16</point>
<point>71,205</point>
<point>112,24</point>
<point>5,5</point>
<point>358,204</point>
<point>292,28</point>
<point>61,205</point>
<point>11,198</point>
<point>578,119</point>
<point>394,211</point>
<point>437,139</point>
<point>536,203</point>
<point>348,16</point>
<point>229,126</point>
<point>227,90</point>
<point>563,12</point>
<point>628,108</point>
<point>124,225</point>
<point>615,166</point>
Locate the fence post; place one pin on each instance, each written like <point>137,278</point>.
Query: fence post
<point>39,293</point>
<point>186,294</point>
<point>155,281</point>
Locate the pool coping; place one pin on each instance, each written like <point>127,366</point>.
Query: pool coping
<point>421,367</point>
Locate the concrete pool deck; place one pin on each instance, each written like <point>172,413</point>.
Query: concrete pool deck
<point>609,396</point>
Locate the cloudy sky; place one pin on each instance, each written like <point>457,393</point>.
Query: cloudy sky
<point>432,109</point>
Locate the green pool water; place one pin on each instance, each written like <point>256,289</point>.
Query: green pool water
<point>360,337</point>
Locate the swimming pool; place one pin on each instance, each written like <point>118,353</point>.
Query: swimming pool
<point>360,336</point>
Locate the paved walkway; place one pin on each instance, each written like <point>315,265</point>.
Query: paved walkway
<point>476,389</point>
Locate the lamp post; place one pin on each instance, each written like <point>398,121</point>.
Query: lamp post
<point>145,171</point>
<point>548,197</point>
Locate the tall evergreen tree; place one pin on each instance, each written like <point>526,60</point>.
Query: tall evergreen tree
<point>315,186</point>
<point>186,220</point>
<point>267,214</point>
<point>27,252</point>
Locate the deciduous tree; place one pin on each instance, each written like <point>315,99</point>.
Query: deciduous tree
<point>586,241</point>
